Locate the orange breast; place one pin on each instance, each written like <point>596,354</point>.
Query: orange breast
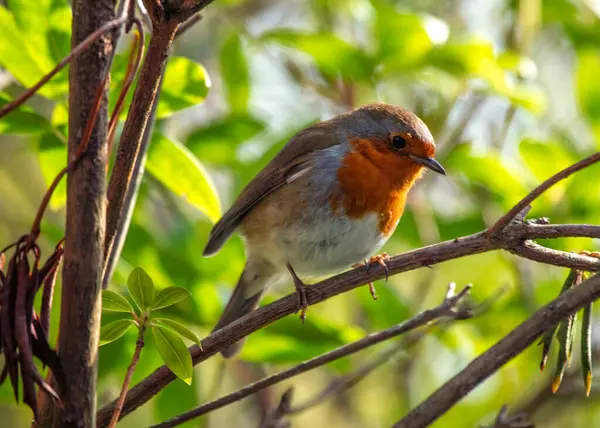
<point>374,179</point>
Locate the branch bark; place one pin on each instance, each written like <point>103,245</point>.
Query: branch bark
<point>502,352</point>
<point>448,308</point>
<point>132,136</point>
<point>512,238</point>
<point>84,241</point>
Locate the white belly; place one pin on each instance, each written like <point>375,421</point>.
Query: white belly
<point>329,244</point>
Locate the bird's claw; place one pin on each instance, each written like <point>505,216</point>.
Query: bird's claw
<point>379,259</point>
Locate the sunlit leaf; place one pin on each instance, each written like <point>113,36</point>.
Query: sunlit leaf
<point>173,352</point>
<point>114,330</point>
<point>185,84</point>
<point>588,88</point>
<point>179,329</point>
<point>177,169</point>
<point>169,296</point>
<point>112,301</point>
<point>141,288</point>
<point>26,56</point>
<point>331,54</point>
<point>402,37</point>
<point>52,155</point>
<point>234,73</point>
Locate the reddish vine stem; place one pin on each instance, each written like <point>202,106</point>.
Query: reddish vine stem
<point>134,360</point>
<point>35,227</point>
<point>78,50</point>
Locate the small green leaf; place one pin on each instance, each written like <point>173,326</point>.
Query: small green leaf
<point>173,352</point>
<point>185,84</point>
<point>234,73</point>
<point>586,348</point>
<point>169,296</point>
<point>177,169</point>
<point>113,330</point>
<point>112,301</point>
<point>141,288</point>
<point>180,329</point>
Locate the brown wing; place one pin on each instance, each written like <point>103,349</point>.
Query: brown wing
<point>294,156</point>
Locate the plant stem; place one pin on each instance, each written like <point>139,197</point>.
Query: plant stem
<point>134,360</point>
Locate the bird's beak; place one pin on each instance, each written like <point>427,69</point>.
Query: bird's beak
<point>430,163</point>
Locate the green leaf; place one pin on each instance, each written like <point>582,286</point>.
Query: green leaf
<point>402,37</point>
<point>331,54</point>
<point>177,169</point>
<point>169,296</point>
<point>141,288</point>
<point>185,84</point>
<point>24,52</point>
<point>180,329</point>
<point>113,330</point>
<point>588,88</point>
<point>217,142</point>
<point>112,301</point>
<point>52,156</point>
<point>234,73</point>
<point>22,120</point>
<point>173,352</point>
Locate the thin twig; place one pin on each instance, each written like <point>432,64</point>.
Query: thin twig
<point>78,50</point>
<point>423,257</point>
<point>134,360</point>
<point>113,251</point>
<point>133,131</point>
<point>502,352</point>
<point>501,224</point>
<point>448,308</point>
<point>133,65</point>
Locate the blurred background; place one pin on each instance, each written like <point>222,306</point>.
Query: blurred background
<point>511,92</point>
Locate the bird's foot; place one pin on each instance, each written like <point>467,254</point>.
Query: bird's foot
<point>379,259</point>
<point>301,293</point>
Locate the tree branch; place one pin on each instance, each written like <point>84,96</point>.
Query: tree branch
<point>133,132</point>
<point>502,352</point>
<point>84,239</point>
<point>450,307</point>
<point>478,243</point>
<point>503,222</point>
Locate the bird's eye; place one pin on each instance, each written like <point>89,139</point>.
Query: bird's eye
<point>398,142</point>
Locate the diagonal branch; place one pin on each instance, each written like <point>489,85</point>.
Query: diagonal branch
<point>503,222</point>
<point>450,307</point>
<point>478,243</point>
<point>502,352</point>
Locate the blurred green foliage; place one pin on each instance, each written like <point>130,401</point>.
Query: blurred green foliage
<point>510,90</point>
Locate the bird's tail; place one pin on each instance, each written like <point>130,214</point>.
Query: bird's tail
<point>245,298</point>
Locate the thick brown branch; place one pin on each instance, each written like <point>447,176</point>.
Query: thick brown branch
<point>494,358</point>
<point>426,256</point>
<point>447,308</point>
<point>84,240</point>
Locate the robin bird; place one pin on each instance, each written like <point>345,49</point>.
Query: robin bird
<point>328,200</point>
